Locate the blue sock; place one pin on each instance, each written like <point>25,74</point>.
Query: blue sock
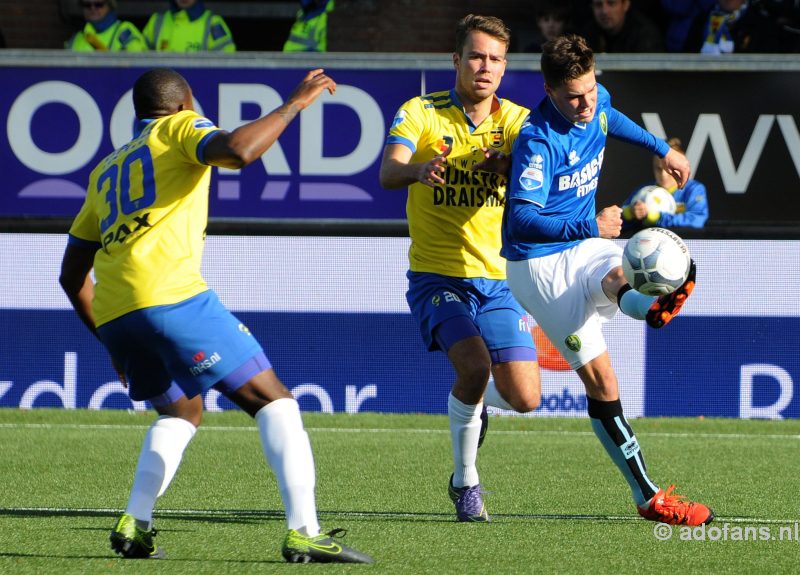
<point>617,437</point>
<point>634,304</point>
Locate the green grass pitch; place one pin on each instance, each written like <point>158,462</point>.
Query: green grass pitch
<point>557,503</point>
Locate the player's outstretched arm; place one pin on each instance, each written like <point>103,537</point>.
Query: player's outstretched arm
<point>678,166</point>
<point>247,143</point>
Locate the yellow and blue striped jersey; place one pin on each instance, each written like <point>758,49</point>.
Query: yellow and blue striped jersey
<point>146,209</point>
<point>455,227</point>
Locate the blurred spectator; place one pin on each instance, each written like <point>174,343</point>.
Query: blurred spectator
<point>580,13</point>
<point>691,203</point>
<point>552,21</point>
<point>787,14</point>
<point>620,27</point>
<point>734,26</point>
<point>680,15</point>
<point>188,27</point>
<point>309,32</point>
<point>104,32</point>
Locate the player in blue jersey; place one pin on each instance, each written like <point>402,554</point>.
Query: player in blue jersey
<point>441,146</point>
<point>562,265</point>
<point>691,202</point>
<point>142,230</point>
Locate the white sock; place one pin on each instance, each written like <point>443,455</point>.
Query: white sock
<point>635,304</point>
<point>493,398</point>
<point>465,427</point>
<point>161,454</point>
<point>288,452</point>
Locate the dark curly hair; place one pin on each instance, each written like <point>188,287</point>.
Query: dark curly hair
<point>566,58</point>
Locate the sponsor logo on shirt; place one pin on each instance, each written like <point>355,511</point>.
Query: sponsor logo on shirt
<point>398,118</point>
<point>532,178</point>
<point>469,188</point>
<point>136,225</point>
<point>574,158</point>
<point>585,179</point>
<point>203,123</point>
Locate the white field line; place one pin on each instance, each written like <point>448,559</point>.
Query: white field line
<point>278,514</point>
<point>222,428</point>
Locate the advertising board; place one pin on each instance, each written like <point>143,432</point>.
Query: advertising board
<point>332,317</point>
<point>61,119</point>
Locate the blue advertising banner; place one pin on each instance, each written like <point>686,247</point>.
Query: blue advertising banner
<point>724,367</point>
<point>72,370</point>
<point>62,120</point>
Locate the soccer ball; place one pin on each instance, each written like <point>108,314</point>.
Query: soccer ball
<point>656,198</point>
<point>655,261</point>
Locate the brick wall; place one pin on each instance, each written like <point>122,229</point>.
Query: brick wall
<point>33,24</point>
<point>416,25</point>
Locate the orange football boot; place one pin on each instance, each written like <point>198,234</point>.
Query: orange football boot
<point>667,306</point>
<point>675,510</point>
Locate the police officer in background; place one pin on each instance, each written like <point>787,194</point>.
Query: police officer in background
<point>188,27</point>
<point>104,31</point>
<point>309,32</point>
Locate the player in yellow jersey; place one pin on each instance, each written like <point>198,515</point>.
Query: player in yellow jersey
<point>188,26</point>
<point>142,230</point>
<point>442,146</point>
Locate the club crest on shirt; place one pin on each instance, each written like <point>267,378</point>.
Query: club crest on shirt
<point>443,143</point>
<point>604,122</point>
<point>497,139</point>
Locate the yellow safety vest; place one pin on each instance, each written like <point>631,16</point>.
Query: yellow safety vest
<point>175,32</point>
<point>119,37</point>
<point>309,35</point>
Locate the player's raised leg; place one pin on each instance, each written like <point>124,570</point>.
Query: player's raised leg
<point>667,306</point>
<point>657,311</point>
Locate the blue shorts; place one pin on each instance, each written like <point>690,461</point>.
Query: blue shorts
<point>489,305</point>
<point>195,344</point>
